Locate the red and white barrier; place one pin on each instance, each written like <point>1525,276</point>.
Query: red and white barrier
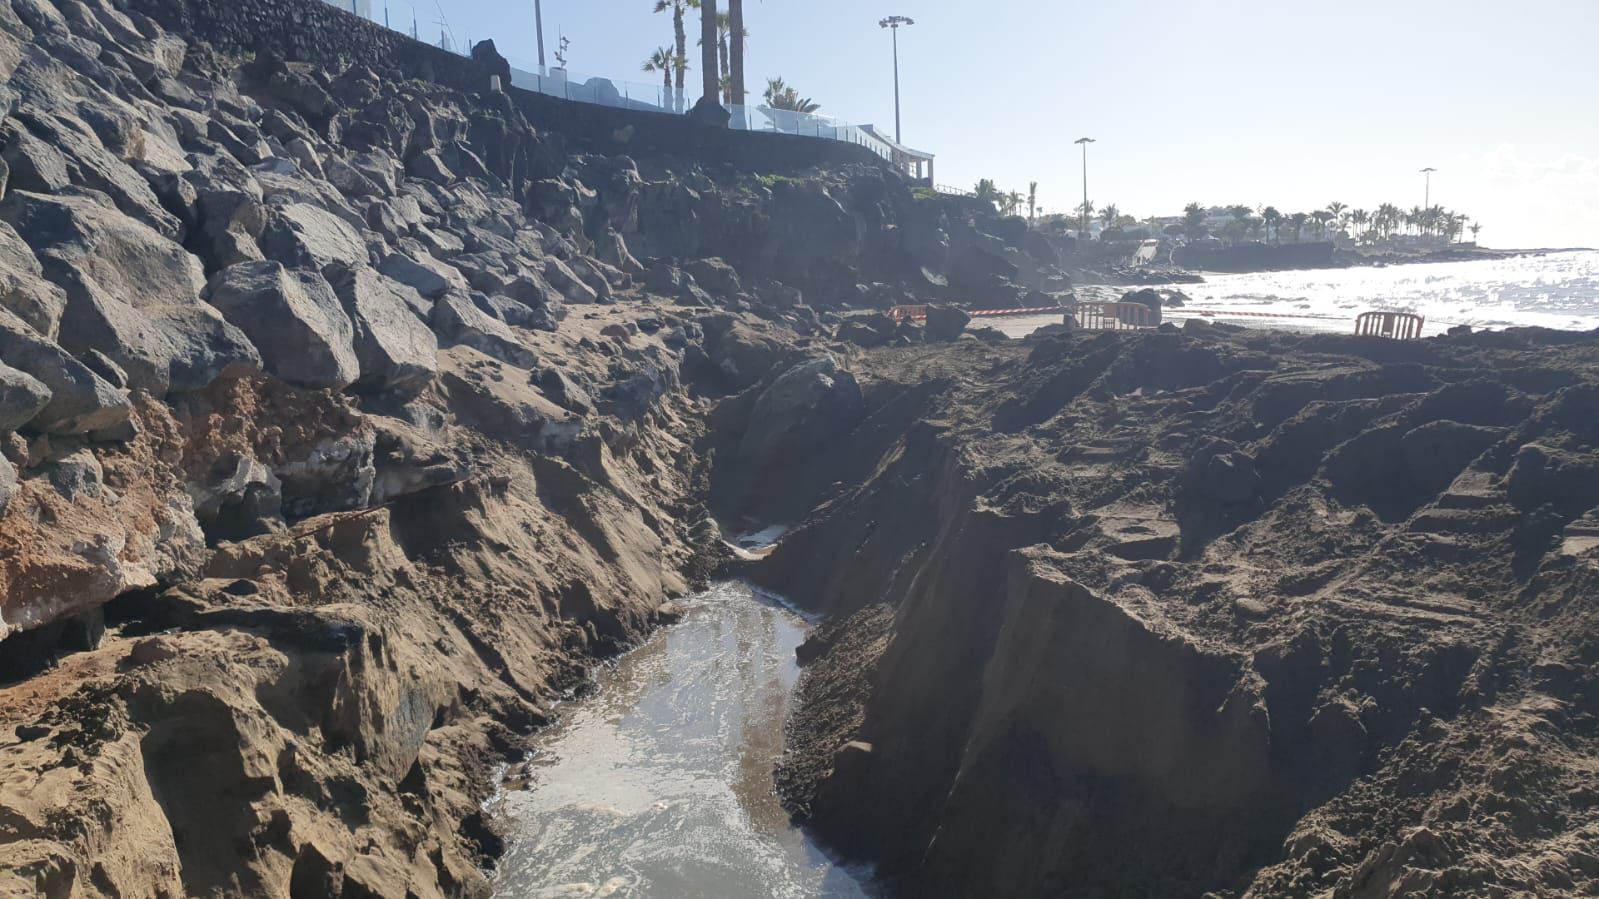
<point>1034,310</point>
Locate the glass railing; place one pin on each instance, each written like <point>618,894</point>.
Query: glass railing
<point>568,85</point>
<point>658,97</point>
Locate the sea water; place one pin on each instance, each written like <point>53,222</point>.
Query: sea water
<point>1551,290</point>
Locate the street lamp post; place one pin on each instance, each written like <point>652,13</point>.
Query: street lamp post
<point>1084,142</point>
<point>893,23</point>
<point>538,27</point>
<point>1427,196</point>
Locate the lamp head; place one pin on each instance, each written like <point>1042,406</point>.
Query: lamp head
<point>896,21</point>
<point>1429,169</point>
<point>1084,140</point>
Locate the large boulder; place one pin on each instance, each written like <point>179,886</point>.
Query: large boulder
<point>715,276</point>
<point>612,249</point>
<point>515,312</point>
<point>457,320</point>
<point>301,235</point>
<point>868,331</point>
<point>23,289</point>
<point>946,322</point>
<point>132,294</point>
<point>294,318</point>
<point>1149,297</point>
<point>90,164</point>
<point>563,278</point>
<point>300,91</point>
<point>420,271</point>
<point>806,406</point>
<point>395,349</point>
<point>227,227</point>
<point>22,396</point>
<point>80,400</point>
<point>32,164</point>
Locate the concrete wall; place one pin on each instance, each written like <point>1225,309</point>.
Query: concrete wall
<point>313,31</point>
<point>309,31</point>
<point>605,129</point>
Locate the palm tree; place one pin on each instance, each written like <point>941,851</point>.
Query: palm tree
<point>1360,217</point>
<point>710,78</point>
<point>1032,202</point>
<point>1475,227</point>
<point>1388,217</point>
<point>1008,203</point>
<point>986,190</point>
<point>1085,211</point>
<point>1339,212</point>
<point>735,67</point>
<point>664,62</point>
<point>1297,221</point>
<point>781,96</point>
<point>1321,218</point>
<point>1273,219</point>
<point>1239,226</point>
<point>724,27</point>
<point>1109,214</point>
<point>722,58</point>
<point>678,7</point>
<point>1194,219</point>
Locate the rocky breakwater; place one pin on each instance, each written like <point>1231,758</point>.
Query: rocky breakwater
<point>340,431</point>
<point>1200,611</point>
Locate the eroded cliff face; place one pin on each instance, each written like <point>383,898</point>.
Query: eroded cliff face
<point>1207,611</point>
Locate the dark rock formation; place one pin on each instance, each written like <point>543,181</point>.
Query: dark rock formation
<point>132,294</point>
<point>295,319</point>
<point>946,322</point>
<point>394,348</point>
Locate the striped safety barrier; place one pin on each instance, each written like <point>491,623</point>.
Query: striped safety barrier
<point>1216,313</point>
<point>1034,310</point>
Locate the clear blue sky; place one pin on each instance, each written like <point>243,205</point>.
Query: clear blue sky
<point>1227,101</point>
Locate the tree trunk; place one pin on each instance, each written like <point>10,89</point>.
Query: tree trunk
<point>727,80</point>
<point>681,63</point>
<point>709,70</point>
<point>735,22</point>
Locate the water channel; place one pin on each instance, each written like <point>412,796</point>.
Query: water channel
<point>659,782</point>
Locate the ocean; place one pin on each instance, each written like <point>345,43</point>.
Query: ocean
<point>1552,290</point>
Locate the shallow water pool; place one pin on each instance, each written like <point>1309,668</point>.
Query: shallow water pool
<point>659,783</point>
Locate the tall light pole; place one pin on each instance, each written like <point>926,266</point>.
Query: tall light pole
<point>893,23</point>
<point>1084,142</point>
<point>538,26</point>
<point>1427,197</point>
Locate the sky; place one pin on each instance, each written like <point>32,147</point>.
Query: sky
<point>1290,103</point>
